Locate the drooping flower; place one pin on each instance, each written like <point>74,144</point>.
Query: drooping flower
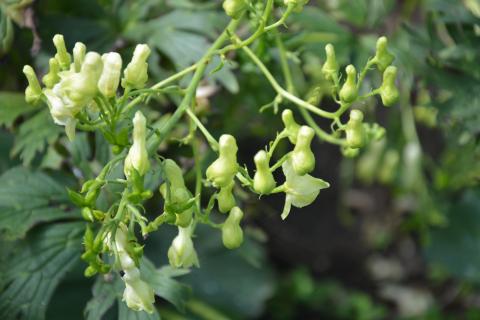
<point>300,190</point>
<point>181,253</point>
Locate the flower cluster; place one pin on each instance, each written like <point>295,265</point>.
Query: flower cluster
<point>73,89</point>
<point>81,91</point>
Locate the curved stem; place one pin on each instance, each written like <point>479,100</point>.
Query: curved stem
<point>211,140</point>
<point>155,141</point>
<point>284,93</point>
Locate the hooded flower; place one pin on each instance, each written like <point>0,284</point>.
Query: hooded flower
<point>300,191</point>
<point>138,295</point>
<point>137,157</point>
<point>182,253</point>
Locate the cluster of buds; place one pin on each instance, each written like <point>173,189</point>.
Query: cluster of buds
<point>72,86</point>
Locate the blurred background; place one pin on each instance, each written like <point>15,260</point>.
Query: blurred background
<point>396,236</point>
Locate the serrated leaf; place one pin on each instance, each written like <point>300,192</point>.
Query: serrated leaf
<point>36,268</point>
<point>12,106</point>
<point>34,135</point>
<point>27,198</point>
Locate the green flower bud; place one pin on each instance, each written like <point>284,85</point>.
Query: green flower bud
<point>349,91</point>
<point>62,56</point>
<point>300,191</point>
<point>52,77</point>
<point>173,173</point>
<point>222,171</point>
<point>330,67</point>
<point>232,233</point>
<point>33,92</point>
<point>137,157</point>
<point>348,152</point>
<point>138,295</point>
<point>135,74</point>
<point>263,181</point>
<point>388,90</point>
<point>389,166</point>
<point>90,271</point>
<point>373,132</point>
<point>110,78</point>
<point>303,159</point>
<point>297,4</point>
<point>383,58</point>
<point>355,133</point>
<point>181,253</point>
<point>291,126</point>
<point>79,51</point>
<point>226,200</point>
<point>234,8</point>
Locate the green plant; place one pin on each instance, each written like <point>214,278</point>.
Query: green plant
<point>81,94</point>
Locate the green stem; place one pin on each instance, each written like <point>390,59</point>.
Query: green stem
<point>155,141</point>
<point>284,93</point>
<point>161,84</point>
<point>211,140</point>
<point>291,88</point>
<point>260,31</point>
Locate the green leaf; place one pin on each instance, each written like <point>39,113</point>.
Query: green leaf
<point>104,295</point>
<point>164,286</point>
<point>28,198</point>
<point>455,248</point>
<point>36,268</point>
<point>34,135</point>
<point>12,106</point>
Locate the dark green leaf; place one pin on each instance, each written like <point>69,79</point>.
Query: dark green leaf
<point>34,135</point>
<point>12,106</point>
<point>27,198</point>
<point>163,284</point>
<point>104,295</point>
<point>36,268</point>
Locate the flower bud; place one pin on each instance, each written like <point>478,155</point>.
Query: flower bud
<point>137,157</point>
<point>173,173</point>
<point>52,77</point>
<point>303,159</point>
<point>222,171</point>
<point>349,91</point>
<point>232,233</point>
<point>110,78</point>
<point>300,191</point>
<point>383,58</point>
<point>291,126</point>
<point>81,87</point>
<point>226,200</point>
<point>62,56</point>
<point>355,133</point>
<point>138,295</point>
<point>33,92</point>
<point>388,90</point>
<point>263,181</point>
<point>181,253</point>
<point>297,4</point>
<point>135,74</point>
<point>79,51</point>
<point>348,152</point>
<point>330,67</point>
<point>234,8</point>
